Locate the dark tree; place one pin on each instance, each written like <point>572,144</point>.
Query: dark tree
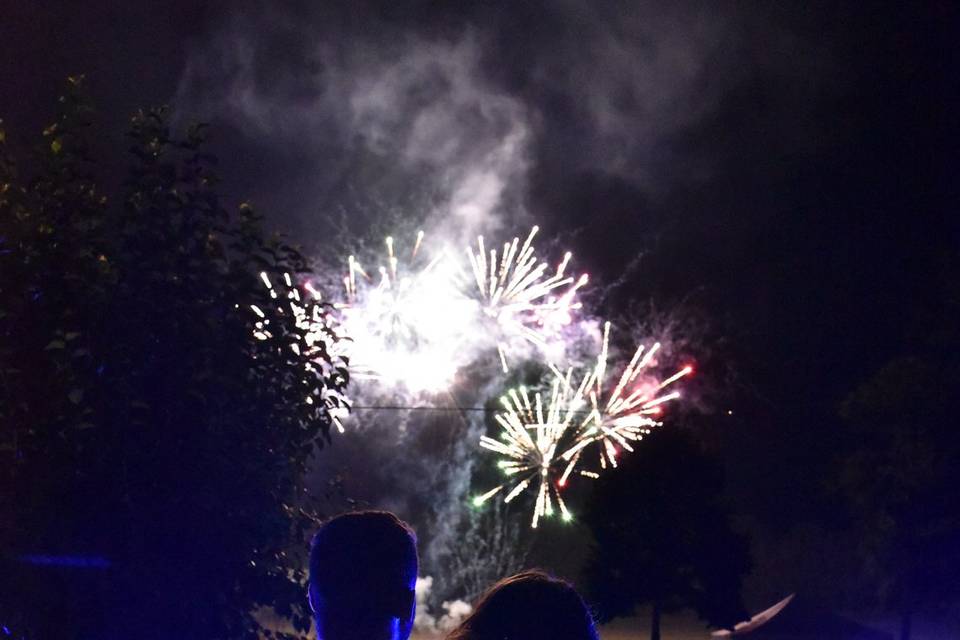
<point>900,473</point>
<point>663,537</point>
<point>153,449</point>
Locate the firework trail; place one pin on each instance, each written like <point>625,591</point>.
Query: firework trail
<point>517,293</point>
<point>549,447</point>
<point>631,407</point>
<point>312,335</point>
<point>416,320</point>
<point>405,323</point>
<point>530,442</point>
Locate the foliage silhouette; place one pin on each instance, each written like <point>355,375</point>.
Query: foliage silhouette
<point>898,472</point>
<point>141,425</point>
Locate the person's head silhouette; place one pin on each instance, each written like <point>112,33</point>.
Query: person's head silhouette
<point>528,606</point>
<point>363,570</point>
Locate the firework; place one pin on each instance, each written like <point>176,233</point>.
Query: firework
<point>533,435</point>
<point>405,323</point>
<point>544,446</point>
<point>617,418</point>
<point>313,337</point>
<point>516,291</point>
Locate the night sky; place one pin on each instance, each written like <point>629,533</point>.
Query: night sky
<point>783,171</point>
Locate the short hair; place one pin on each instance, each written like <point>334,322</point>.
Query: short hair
<point>532,605</point>
<point>366,559</point>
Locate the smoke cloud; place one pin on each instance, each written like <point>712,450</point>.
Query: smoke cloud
<point>366,120</point>
<point>421,111</point>
<point>453,614</point>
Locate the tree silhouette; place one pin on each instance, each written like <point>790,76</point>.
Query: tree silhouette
<point>153,450</point>
<point>899,474</point>
<point>662,535</point>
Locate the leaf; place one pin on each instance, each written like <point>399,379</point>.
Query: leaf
<point>56,145</point>
<point>75,395</point>
<point>55,344</point>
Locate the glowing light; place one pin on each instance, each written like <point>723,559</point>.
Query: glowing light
<point>544,441</point>
<point>414,319</point>
<point>516,291</point>
<point>533,432</point>
<point>406,324</point>
<point>315,337</point>
<point>626,415</point>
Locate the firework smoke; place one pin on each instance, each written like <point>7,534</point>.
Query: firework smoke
<point>420,119</point>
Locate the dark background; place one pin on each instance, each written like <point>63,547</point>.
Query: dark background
<point>784,170</point>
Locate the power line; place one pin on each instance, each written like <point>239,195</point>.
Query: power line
<point>398,407</point>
